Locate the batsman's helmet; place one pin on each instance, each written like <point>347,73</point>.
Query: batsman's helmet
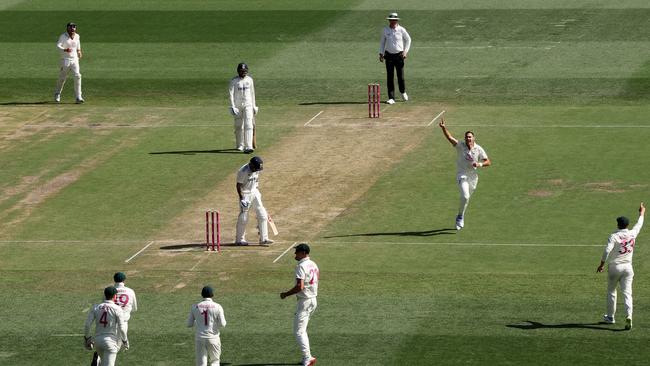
<point>256,164</point>
<point>119,277</point>
<point>242,66</point>
<point>207,291</point>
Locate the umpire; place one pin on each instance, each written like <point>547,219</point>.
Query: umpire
<point>394,46</point>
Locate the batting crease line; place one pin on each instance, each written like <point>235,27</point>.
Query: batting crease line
<point>313,118</point>
<point>141,250</point>
<point>285,252</point>
<point>436,117</point>
<point>464,244</point>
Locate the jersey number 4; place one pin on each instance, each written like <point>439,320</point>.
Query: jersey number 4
<point>627,246</point>
<point>104,319</point>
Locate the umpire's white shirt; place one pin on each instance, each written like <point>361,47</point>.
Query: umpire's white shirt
<point>207,317</point>
<point>307,271</point>
<point>66,42</point>
<point>242,92</point>
<point>466,157</point>
<point>248,179</point>
<point>620,246</point>
<point>395,40</point>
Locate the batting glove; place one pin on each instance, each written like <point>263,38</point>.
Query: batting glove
<point>244,203</point>
<point>125,345</point>
<point>256,109</point>
<point>234,111</point>
<point>88,343</point>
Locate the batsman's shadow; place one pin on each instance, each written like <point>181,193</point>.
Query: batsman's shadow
<point>434,232</point>
<point>531,325</point>
<point>266,364</point>
<point>202,247</point>
<point>29,103</point>
<point>330,103</point>
<point>194,152</point>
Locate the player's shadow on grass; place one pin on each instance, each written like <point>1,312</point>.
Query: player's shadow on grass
<point>27,103</point>
<point>201,246</point>
<point>266,364</point>
<point>537,325</point>
<point>400,233</point>
<point>194,152</point>
<point>330,103</point>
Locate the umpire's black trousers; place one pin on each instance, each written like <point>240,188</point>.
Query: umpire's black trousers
<point>394,61</point>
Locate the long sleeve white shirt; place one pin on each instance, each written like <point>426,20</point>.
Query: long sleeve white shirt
<point>242,92</point>
<point>108,318</point>
<point>395,40</point>
<point>206,317</point>
<point>620,246</point>
<point>74,44</point>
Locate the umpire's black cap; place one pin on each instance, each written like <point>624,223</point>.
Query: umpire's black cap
<point>302,247</point>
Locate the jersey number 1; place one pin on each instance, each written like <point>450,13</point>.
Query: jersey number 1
<point>205,317</point>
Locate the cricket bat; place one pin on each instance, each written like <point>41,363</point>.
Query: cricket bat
<point>254,134</point>
<point>273,227</point>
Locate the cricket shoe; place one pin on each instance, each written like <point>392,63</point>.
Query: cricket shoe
<point>405,97</point>
<point>57,97</point>
<point>248,151</point>
<point>266,242</point>
<point>242,243</point>
<point>240,148</point>
<point>79,101</point>
<point>460,222</point>
<point>390,101</point>
<point>309,362</point>
<point>608,319</point>
<point>628,324</point>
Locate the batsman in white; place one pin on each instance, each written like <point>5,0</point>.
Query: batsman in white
<point>208,317</point>
<point>306,289</point>
<point>69,46</point>
<point>250,197</point>
<point>110,333</point>
<point>618,255</point>
<point>243,108</point>
<point>471,156</point>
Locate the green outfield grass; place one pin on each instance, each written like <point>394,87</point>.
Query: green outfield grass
<point>556,92</point>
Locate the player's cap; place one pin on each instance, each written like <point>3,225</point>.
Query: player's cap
<point>109,292</point>
<point>242,66</point>
<point>207,291</point>
<point>622,222</point>
<point>73,25</point>
<point>256,163</point>
<point>392,16</point>
<point>302,247</point>
<point>119,277</point>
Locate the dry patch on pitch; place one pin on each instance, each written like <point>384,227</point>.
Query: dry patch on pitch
<point>553,187</point>
<point>314,174</point>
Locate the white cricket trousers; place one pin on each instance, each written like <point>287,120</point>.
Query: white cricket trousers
<point>467,185</point>
<point>304,310</point>
<point>244,128</point>
<point>107,348</point>
<point>622,274</point>
<point>67,66</point>
<point>208,349</point>
<point>255,199</point>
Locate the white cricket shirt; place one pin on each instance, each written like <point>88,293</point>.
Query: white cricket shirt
<point>126,298</point>
<point>242,92</point>
<point>208,317</point>
<point>395,40</point>
<point>109,320</point>
<point>468,156</point>
<point>308,272</point>
<point>248,178</point>
<point>620,246</point>
<point>66,42</point>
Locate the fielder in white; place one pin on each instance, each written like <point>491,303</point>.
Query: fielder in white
<point>306,290</point>
<point>208,317</point>
<point>125,297</point>
<point>618,255</point>
<point>69,46</point>
<point>110,333</point>
<point>243,108</point>
<point>251,198</point>
<point>471,156</point>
